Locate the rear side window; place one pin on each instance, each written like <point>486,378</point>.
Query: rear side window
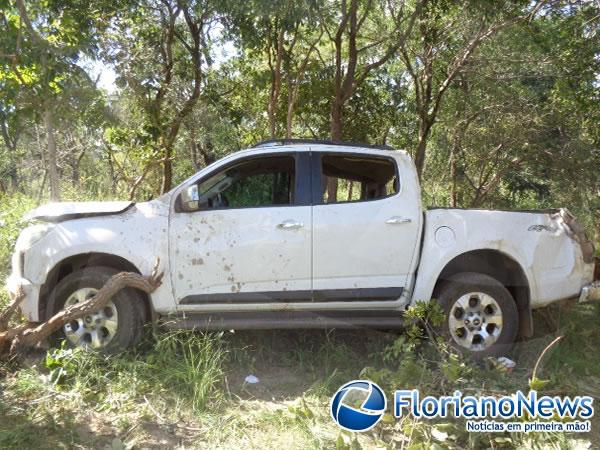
<point>357,178</point>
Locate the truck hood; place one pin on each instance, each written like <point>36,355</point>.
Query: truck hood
<point>61,211</point>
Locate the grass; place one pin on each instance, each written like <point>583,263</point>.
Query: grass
<point>184,389</point>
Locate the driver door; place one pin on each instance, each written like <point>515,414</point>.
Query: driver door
<point>243,234</point>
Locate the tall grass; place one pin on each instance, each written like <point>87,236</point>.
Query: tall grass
<point>181,367</point>
<point>189,364</point>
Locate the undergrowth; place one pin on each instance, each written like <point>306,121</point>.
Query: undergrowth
<point>181,388</point>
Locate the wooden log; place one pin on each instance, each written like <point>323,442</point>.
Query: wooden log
<point>27,335</point>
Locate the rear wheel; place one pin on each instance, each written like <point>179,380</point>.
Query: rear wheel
<point>115,327</point>
<point>481,315</point>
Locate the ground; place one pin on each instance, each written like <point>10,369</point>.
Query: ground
<point>187,390</point>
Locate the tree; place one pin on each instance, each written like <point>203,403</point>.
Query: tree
<point>363,37</point>
<point>45,42</point>
<point>515,123</point>
<point>276,39</point>
<point>441,47</point>
<point>162,66</point>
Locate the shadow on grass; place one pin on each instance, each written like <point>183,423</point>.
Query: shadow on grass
<point>290,363</point>
<point>575,356</point>
<point>18,430</point>
<point>170,371</point>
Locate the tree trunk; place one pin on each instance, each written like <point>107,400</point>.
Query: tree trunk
<point>167,179</point>
<point>420,156</point>
<point>336,120</point>
<point>75,169</point>
<point>193,145</point>
<point>42,187</point>
<point>111,171</point>
<point>275,85</point>
<point>332,188</point>
<point>293,88</point>
<point>336,135</point>
<point>51,155</point>
<point>167,175</point>
<point>424,131</point>
<point>453,194</point>
<point>289,115</point>
<point>13,175</point>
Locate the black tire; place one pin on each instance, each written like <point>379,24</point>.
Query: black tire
<point>449,293</point>
<point>131,311</point>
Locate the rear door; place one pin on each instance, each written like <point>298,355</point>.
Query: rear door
<point>364,229</point>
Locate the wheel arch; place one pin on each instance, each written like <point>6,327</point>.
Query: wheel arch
<point>501,267</point>
<point>79,261</point>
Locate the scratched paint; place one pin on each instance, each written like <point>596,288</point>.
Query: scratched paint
<point>243,250</point>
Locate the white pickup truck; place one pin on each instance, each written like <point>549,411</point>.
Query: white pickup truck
<point>302,234</point>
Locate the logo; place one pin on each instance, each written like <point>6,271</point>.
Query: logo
<point>358,405</point>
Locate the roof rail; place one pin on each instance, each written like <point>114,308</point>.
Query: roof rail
<point>282,141</point>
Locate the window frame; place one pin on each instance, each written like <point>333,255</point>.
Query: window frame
<point>302,192</point>
<point>317,175</point>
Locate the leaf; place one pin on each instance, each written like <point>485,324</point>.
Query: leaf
<point>387,418</point>
<point>535,384</point>
<point>435,446</point>
<point>340,443</point>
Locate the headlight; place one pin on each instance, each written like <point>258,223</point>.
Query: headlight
<point>32,234</point>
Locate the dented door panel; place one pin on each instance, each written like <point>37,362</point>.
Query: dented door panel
<point>239,251</point>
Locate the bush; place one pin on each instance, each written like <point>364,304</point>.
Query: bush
<point>12,209</point>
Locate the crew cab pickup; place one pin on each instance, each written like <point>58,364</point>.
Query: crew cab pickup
<point>297,233</point>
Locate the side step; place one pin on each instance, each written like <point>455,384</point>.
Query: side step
<point>264,320</point>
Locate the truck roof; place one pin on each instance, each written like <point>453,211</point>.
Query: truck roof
<point>286,142</point>
<point>305,144</point>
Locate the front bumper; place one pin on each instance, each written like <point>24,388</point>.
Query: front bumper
<point>590,292</point>
<point>29,305</point>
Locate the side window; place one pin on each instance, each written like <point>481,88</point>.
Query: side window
<point>267,181</point>
<point>357,178</point>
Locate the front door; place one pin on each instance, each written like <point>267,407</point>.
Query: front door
<point>245,235</point>
<point>365,230</point>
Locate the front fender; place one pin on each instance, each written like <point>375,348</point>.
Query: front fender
<point>139,235</point>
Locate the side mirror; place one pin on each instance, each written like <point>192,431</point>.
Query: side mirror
<point>189,198</point>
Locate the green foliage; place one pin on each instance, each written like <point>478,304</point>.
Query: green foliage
<point>514,125</point>
<point>187,368</point>
<point>12,209</point>
<point>193,363</point>
<point>421,319</point>
<point>62,363</point>
<point>516,128</point>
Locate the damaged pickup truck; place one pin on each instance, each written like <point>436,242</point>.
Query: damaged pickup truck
<point>302,234</point>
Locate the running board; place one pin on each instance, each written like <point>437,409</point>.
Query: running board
<point>265,320</point>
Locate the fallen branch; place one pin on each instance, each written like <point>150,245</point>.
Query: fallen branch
<point>27,335</point>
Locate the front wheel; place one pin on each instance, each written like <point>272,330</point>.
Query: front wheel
<point>481,315</point>
<point>113,328</point>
